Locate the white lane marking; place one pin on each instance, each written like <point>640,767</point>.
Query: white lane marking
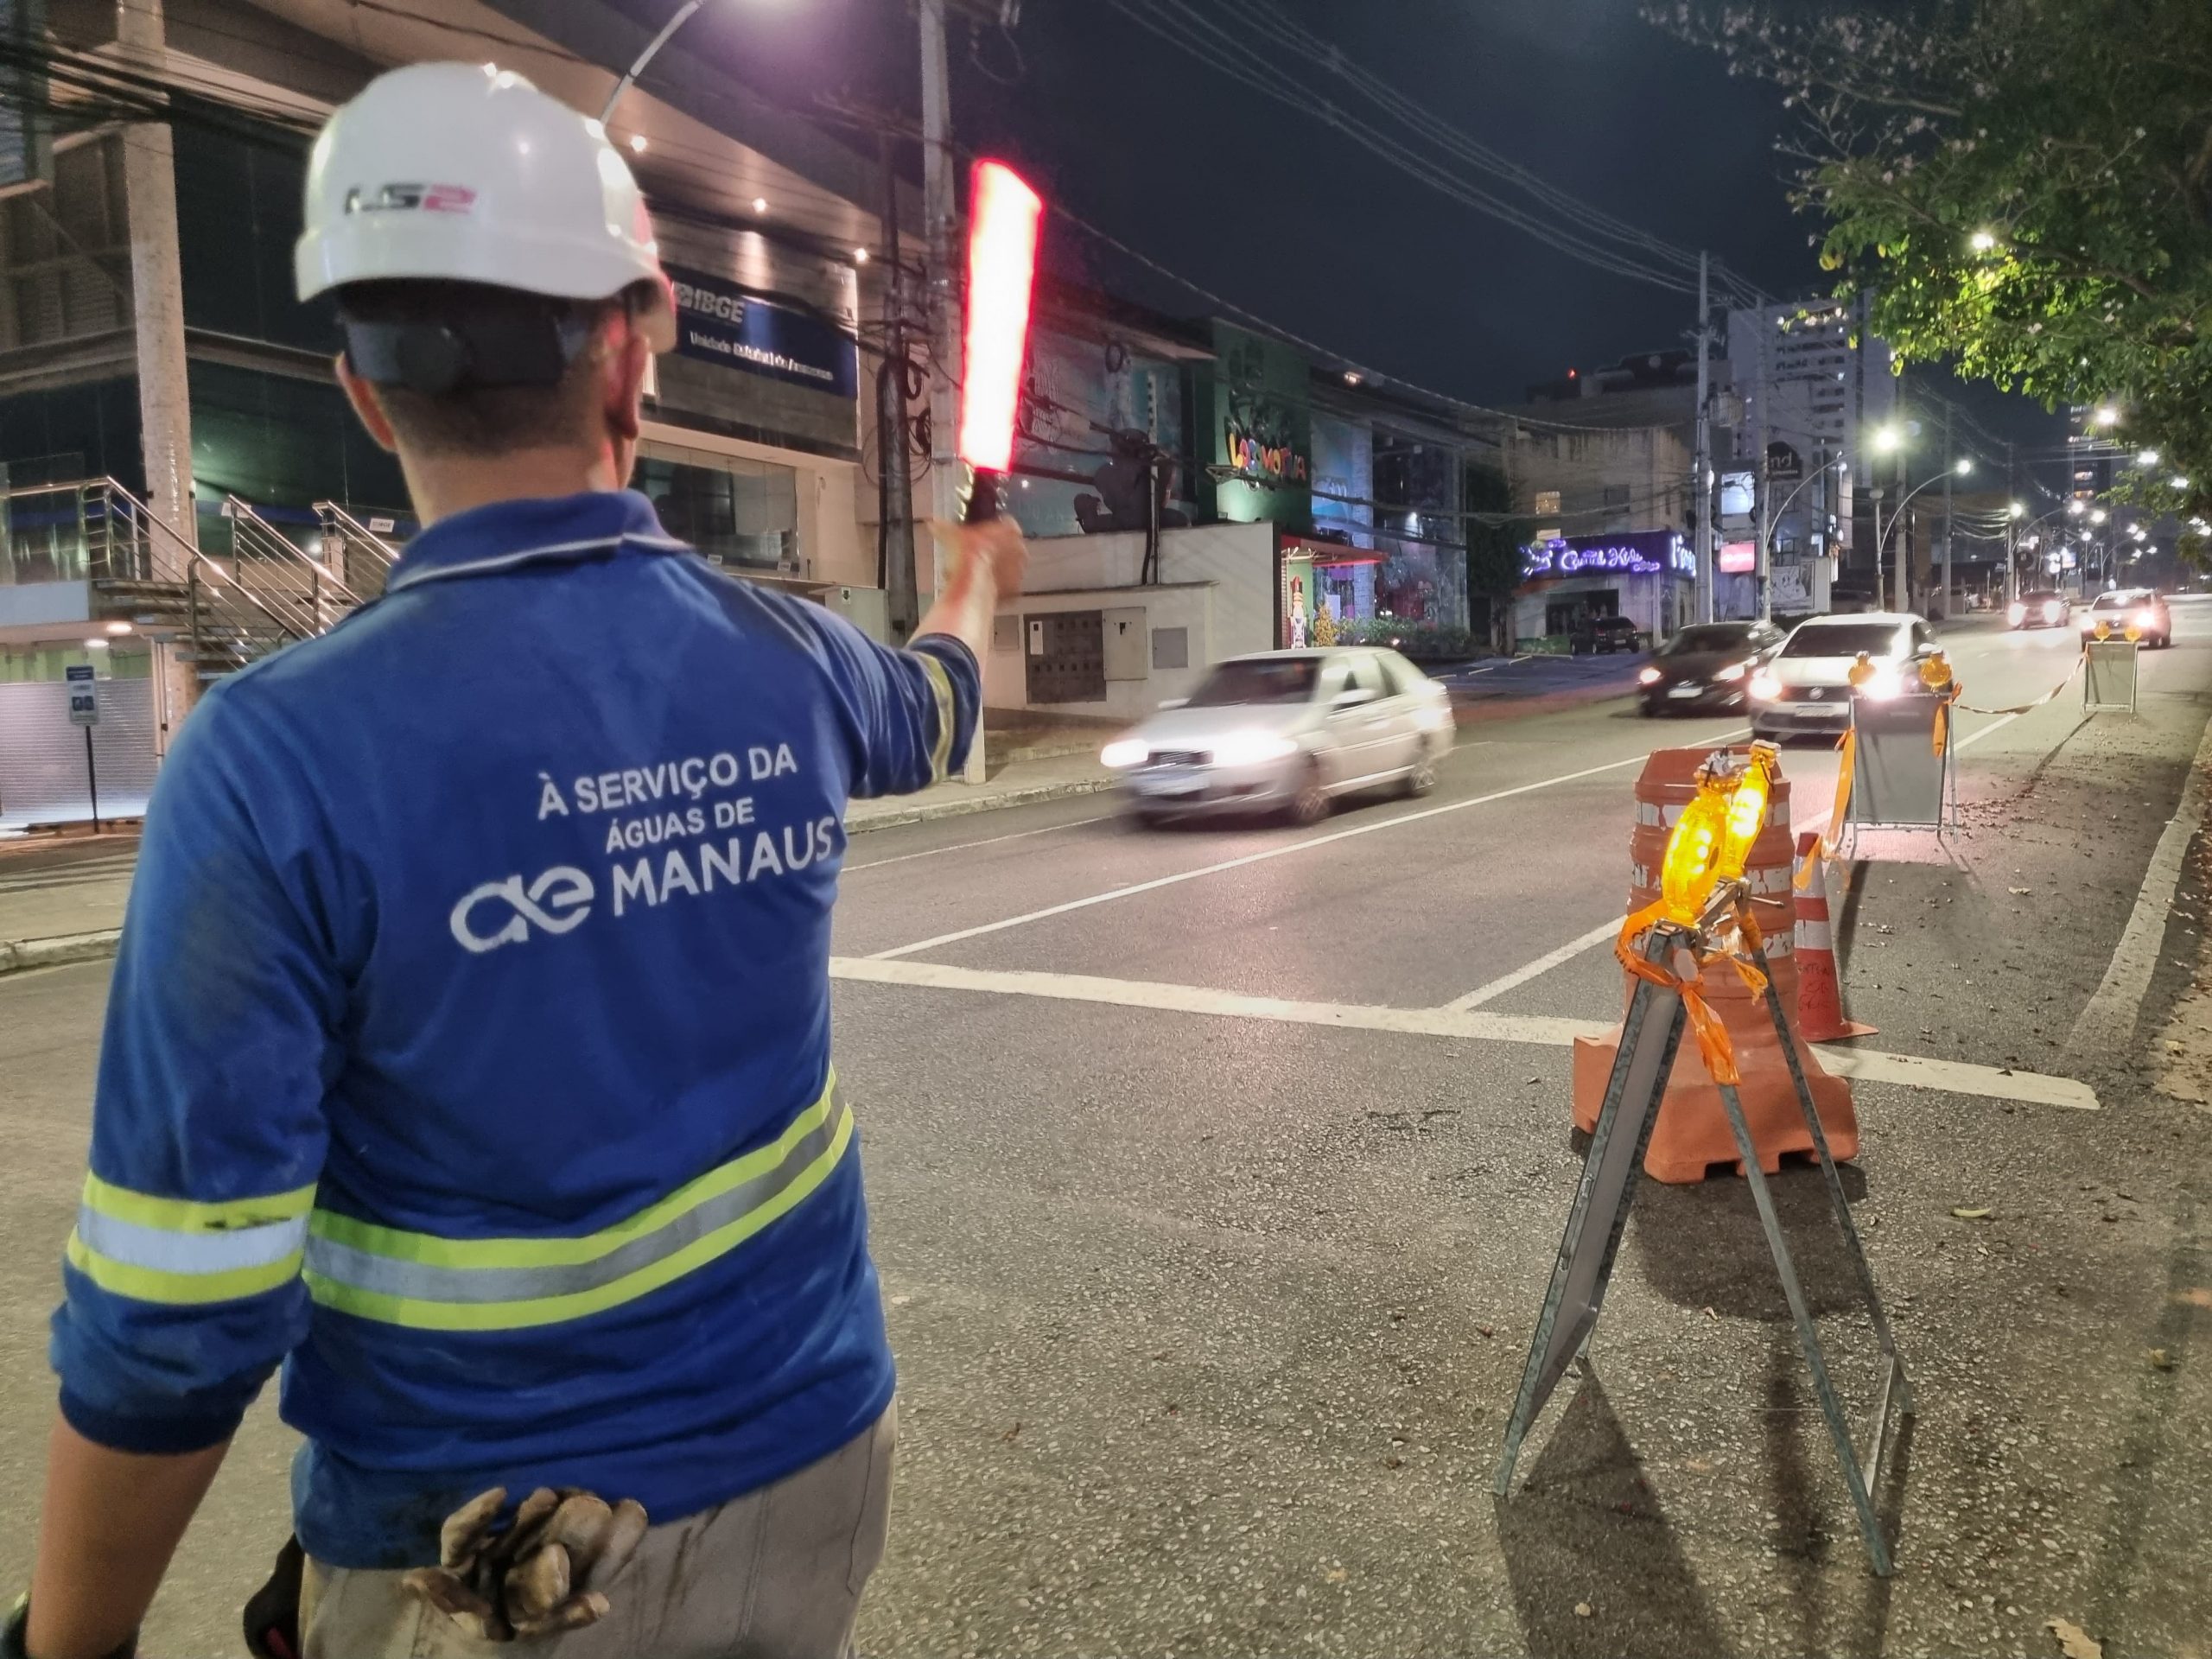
<point>1544,1031</point>
<point>1305,845</point>
<point>962,846</point>
<point>2109,1018</point>
<point>1996,725</point>
<point>1543,965</point>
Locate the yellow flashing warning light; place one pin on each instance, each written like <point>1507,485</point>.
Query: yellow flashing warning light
<point>1711,842</point>
<point>1862,669</point>
<point>1936,672</point>
<point>2130,633</point>
<point>2103,629</point>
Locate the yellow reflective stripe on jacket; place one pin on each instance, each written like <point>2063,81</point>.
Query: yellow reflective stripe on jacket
<point>428,1282</point>
<point>941,686</point>
<point>185,1252</point>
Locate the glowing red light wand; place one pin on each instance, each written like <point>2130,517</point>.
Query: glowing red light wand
<point>1001,268</point>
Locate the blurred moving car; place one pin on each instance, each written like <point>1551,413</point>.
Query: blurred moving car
<point>2043,608</point>
<point>1707,666</point>
<point>1806,686</point>
<point>1287,731</point>
<point>2123,609</point>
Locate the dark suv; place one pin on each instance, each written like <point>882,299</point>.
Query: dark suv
<point>1608,634</point>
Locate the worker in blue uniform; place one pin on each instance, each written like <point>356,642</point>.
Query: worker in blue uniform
<point>468,1052</point>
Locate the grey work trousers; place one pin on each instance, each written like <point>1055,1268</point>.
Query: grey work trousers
<point>774,1574</point>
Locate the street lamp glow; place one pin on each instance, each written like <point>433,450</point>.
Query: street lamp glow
<point>2147,458</point>
<point>760,204</point>
<point>2077,506</point>
<point>2180,480</point>
<point>1889,439</point>
<point>1965,466</point>
<point>2019,510</point>
<point>1982,241</point>
<point>2098,516</point>
<point>2108,416</point>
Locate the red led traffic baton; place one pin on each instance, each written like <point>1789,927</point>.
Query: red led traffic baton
<point>1001,268</point>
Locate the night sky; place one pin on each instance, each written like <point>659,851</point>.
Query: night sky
<point>1273,209</point>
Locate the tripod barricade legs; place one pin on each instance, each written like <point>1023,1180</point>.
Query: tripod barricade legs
<point>1650,1037</point>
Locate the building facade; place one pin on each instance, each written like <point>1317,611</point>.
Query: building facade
<point>173,440</point>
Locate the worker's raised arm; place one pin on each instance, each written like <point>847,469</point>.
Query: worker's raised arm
<point>912,714</point>
<point>182,1276</point>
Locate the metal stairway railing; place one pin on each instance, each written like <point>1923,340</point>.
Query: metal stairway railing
<point>362,558</point>
<point>267,564</point>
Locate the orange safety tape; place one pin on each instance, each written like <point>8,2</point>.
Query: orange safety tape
<point>1833,835</point>
<point>1713,1044</point>
<point>2079,657</point>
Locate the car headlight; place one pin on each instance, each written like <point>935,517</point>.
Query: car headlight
<point>2016,613</point>
<point>1766,687</point>
<point>1124,753</point>
<point>2053,611</point>
<point>1648,676</point>
<point>1734,672</point>
<point>1251,748</point>
<point>1883,685</point>
<point>2146,620</point>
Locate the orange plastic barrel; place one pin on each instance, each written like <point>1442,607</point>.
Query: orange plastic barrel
<point>1693,1134</point>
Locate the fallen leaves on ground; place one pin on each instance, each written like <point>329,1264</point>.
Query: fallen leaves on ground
<point>2162,1361</point>
<point>2195,1296</point>
<point>1961,1213</point>
<point>1583,1610</point>
<point>2073,1641</point>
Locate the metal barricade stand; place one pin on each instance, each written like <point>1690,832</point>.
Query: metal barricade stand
<point>1650,1034</point>
<point>1900,778</point>
<point>2109,670</point>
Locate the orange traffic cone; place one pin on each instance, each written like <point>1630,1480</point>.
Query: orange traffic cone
<point>1819,996</point>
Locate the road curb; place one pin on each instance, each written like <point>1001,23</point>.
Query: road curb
<point>20,956</point>
<point>958,808</point>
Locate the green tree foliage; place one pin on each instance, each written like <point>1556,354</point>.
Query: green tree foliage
<point>2022,188</point>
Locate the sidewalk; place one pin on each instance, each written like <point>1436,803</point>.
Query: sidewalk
<point>50,914</point>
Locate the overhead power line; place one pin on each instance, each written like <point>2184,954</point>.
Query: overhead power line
<point>1610,244</point>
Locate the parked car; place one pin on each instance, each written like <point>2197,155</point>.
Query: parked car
<point>2044,608</point>
<point>1806,686</point>
<point>1607,634</point>
<point>2123,609</point>
<point>1290,732</point>
<point>1706,667</point>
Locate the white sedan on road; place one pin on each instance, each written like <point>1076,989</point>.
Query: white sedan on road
<point>1287,731</point>
<point>1806,686</point>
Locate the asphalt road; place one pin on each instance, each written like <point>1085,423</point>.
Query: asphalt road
<point>1209,1322</point>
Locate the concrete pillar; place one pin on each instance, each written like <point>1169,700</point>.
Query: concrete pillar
<point>157,310</point>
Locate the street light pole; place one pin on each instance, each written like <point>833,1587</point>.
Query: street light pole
<point>652,50</point>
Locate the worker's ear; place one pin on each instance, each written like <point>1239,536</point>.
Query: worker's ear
<point>363,397</point>
<point>624,364</point>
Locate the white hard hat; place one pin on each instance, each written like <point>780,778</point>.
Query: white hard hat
<point>467,173</point>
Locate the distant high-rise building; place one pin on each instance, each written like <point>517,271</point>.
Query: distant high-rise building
<point>1812,386</point>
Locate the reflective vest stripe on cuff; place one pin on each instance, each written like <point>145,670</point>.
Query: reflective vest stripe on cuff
<point>449,1284</point>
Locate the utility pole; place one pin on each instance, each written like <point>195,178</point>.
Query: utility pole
<point>1901,560</point>
<point>945,466</point>
<point>1949,473</point>
<point>1763,497</point>
<point>936,224</point>
<point>1702,486</point>
<point>896,501</point>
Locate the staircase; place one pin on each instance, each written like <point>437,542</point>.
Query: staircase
<point>361,557</point>
<point>218,613</point>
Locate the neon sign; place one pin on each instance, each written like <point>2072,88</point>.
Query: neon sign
<point>1642,553</point>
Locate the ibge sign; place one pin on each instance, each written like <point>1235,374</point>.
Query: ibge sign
<point>716,322</point>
